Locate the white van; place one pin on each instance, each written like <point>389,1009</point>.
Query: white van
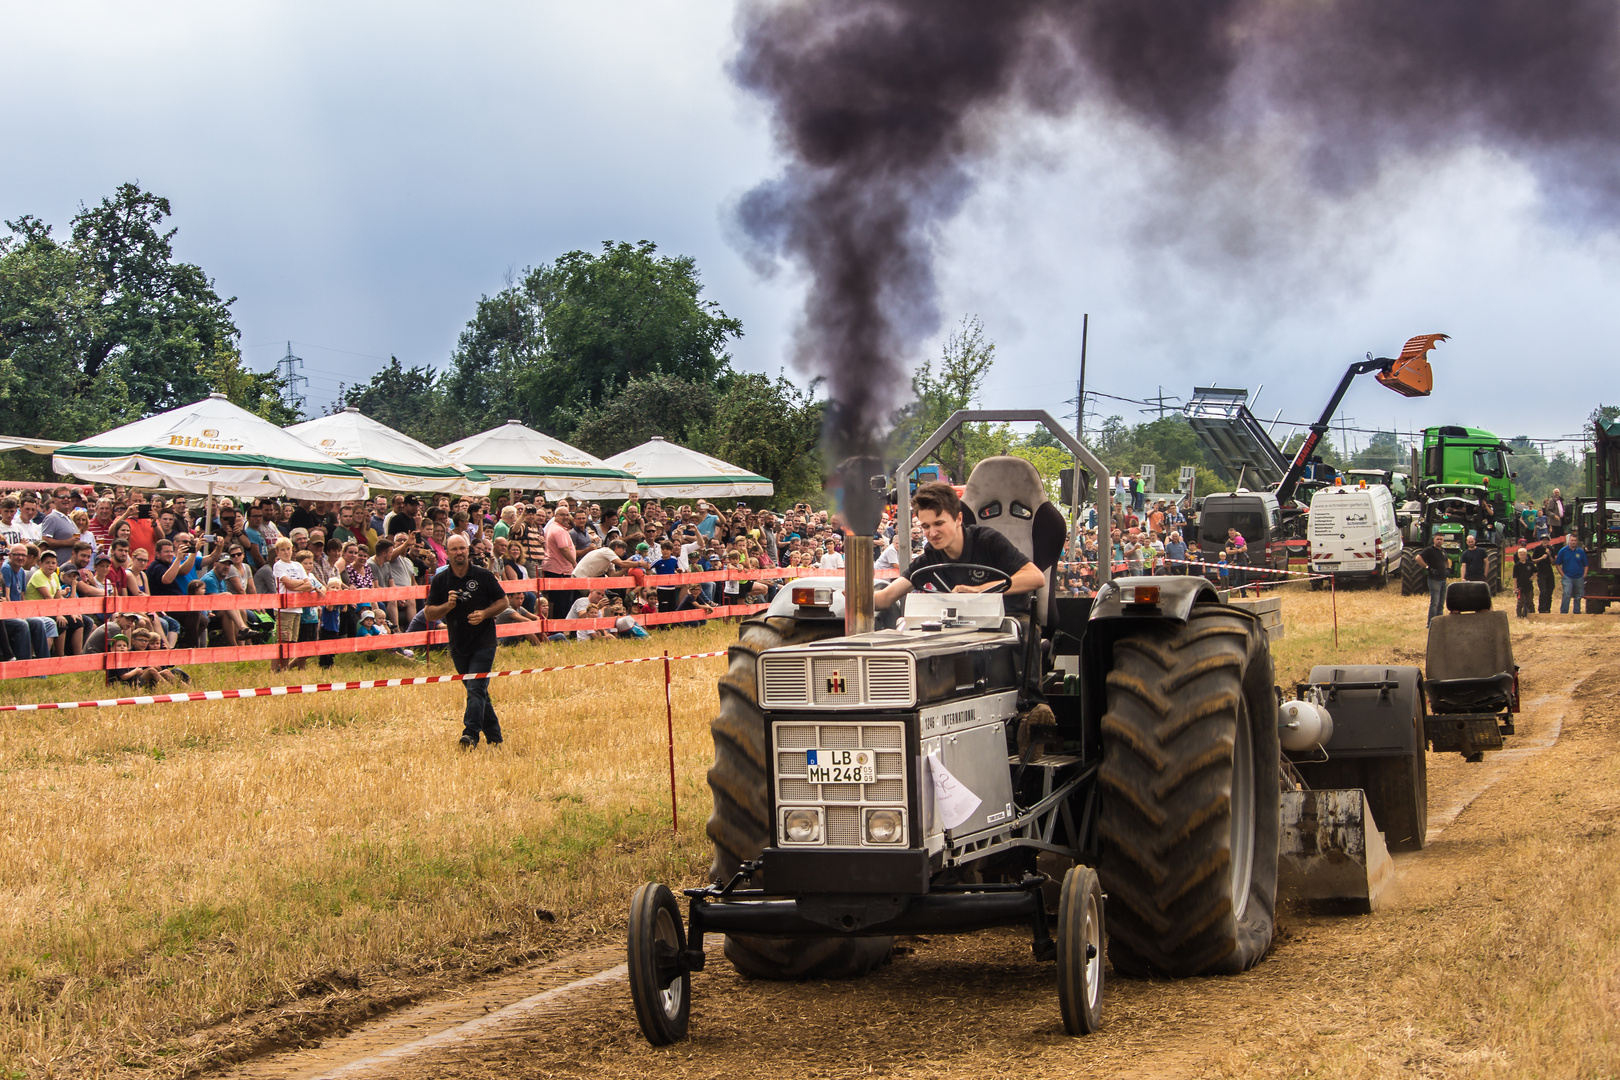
<point>1354,535</point>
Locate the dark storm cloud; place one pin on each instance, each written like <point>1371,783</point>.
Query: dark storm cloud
<point>885,108</point>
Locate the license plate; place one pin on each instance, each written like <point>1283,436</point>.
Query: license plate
<point>1327,566</point>
<point>842,766</point>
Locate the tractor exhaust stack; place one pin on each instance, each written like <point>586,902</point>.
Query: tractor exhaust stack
<point>858,561</point>
<point>862,483</point>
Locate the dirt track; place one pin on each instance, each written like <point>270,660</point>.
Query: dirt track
<point>1395,992</point>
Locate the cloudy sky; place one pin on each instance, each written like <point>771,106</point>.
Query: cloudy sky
<point>357,175</point>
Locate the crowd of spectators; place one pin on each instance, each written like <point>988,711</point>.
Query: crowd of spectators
<point>74,541</point>
<point>1145,537</point>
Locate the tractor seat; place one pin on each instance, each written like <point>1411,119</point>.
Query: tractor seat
<point>1006,494</point>
<point>1469,664</point>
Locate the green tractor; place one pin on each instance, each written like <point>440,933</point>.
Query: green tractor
<point>1463,487</point>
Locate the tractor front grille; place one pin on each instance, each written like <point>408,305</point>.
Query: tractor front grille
<point>842,805</point>
<point>822,680</point>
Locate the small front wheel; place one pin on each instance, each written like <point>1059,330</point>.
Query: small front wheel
<point>660,985</point>
<point>1079,947</point>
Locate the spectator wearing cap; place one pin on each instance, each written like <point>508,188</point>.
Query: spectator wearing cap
<point>45,583</point>
<point>368,624</point>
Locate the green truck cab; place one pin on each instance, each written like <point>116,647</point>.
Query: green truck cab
<point>1459,455</point>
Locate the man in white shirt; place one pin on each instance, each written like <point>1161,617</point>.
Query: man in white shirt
<point>691,541</point>
<point>582,610</point>
<point>26,523</point>
<point>603,561</point>
<point>889,558</point>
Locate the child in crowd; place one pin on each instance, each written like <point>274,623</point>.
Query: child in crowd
<point>152,675</point>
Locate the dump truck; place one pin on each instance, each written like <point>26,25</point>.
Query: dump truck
<point>1458,474</point>
<point>1106,771</point>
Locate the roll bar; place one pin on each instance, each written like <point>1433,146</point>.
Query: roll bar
<point>1083,458</point>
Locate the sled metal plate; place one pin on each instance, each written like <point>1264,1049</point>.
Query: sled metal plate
<point>1331,848</point>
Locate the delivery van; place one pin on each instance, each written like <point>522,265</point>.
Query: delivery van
<point>1354,534</point>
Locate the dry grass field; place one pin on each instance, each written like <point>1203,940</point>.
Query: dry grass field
<point>187,884</point>
<point>168,869</point>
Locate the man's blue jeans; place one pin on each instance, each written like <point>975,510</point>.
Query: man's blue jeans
<point>480,715</point>
<point>1437,597</point>
<point>1574,589</point>
<point>18,634</point>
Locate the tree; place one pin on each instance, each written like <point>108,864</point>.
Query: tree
<point>407,400</point>
<point>771,428</point>
<point>165,328</point>
<point>574,332</point>
<point>1325,450</point>
<point>49,315</point>
<point>655,405</point>
<point>964,363</point>
<point>1383,452</point>
<point>106,327</point>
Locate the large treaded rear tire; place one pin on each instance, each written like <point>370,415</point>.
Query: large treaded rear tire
<point>1414,578</point>
<point>1493,569</point>
<point>740,826</point>
<point>1191,722</point>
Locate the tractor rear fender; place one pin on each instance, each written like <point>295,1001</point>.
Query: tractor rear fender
<point>1177,595</point>
<point>1111,617</point>
<point>1386,721</point>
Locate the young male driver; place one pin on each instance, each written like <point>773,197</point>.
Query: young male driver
<point>939,512</point>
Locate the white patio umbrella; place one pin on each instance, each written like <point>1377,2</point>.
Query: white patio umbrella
<point>514,456</point>
<point>388,458</point>
<point>210,447</point>
<point>665,470</point>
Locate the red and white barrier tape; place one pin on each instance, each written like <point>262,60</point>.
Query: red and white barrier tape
<point>322,688</point>
<point>1235,567</point>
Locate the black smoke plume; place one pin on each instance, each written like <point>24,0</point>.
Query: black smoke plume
<point>884,109</point>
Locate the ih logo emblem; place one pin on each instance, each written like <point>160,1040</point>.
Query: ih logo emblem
<point>835,684</point>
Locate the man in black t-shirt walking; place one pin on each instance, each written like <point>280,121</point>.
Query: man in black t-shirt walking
<point>939,512</point>
<point>467,598</point>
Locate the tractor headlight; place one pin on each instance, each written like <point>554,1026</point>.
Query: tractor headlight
<point>885,826</point>
<point>802,826</point>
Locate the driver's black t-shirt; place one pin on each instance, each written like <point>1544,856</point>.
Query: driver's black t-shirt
<point>980,545</point>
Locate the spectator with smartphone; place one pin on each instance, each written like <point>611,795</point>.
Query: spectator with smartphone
<point>391,570</point>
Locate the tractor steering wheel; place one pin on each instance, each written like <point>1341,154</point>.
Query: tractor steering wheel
<point>936,572</point>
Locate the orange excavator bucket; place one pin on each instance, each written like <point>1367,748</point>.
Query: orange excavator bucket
<point>1409,374</point>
